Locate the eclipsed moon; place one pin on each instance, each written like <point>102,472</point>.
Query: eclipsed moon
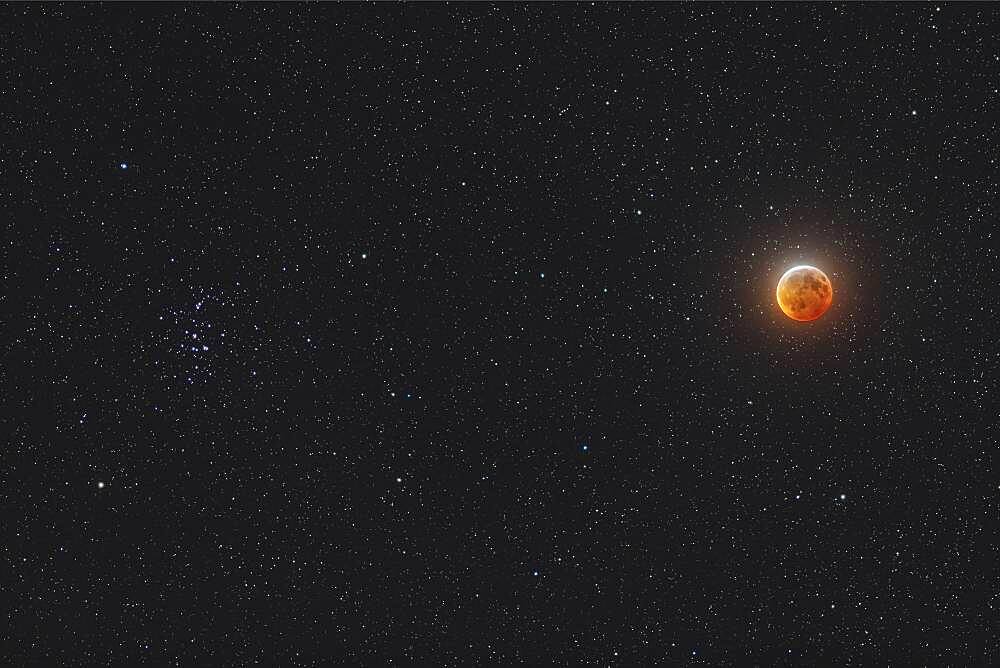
<point>804,293</point>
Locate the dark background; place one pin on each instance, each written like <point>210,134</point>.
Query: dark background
<point>445,334</point>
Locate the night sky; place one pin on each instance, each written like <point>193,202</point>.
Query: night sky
<point>447,335</point>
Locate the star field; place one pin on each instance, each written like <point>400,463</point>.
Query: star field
<point>426,334</point>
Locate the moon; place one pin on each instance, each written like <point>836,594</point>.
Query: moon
<point>804,293</point>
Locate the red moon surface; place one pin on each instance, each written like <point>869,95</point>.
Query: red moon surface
<point>804,293</point>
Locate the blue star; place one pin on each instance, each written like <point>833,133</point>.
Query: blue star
<point>123,165</point>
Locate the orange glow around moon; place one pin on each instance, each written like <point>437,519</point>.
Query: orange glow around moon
<point>804,293</point>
